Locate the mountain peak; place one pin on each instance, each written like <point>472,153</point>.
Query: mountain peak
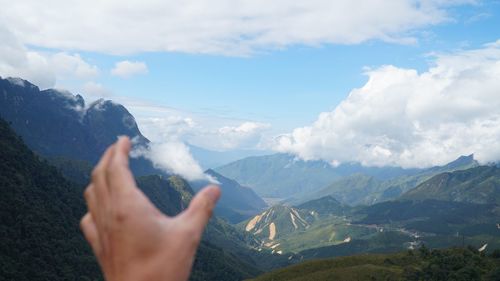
<point>16,81</point>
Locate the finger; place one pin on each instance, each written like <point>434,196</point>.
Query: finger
<point>89,230</point>
<point>201,208</point>
<point>99,176</point>
<point>119,176</point>
<point>90,197</point>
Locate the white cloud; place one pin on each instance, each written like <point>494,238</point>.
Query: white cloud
<point>66,65</point>
<point>17,61</point>
<point>202,131</point>
<point>126,69</point>
<point>218,26</point>
<point>246,135</point>
<point>41,68</point>
<point>175,158</point>
<point>402,117</point>
<point>93,89</point>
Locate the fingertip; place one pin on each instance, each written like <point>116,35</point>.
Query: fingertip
<point>213,192</point>
<point>123,146</point>
<point>124,143</point>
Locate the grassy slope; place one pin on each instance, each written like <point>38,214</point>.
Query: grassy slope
<point>476,185</point>
<point>449,264</point>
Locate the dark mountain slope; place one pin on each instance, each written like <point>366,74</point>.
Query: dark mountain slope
<point>40,213</point>
<point>57,123</point>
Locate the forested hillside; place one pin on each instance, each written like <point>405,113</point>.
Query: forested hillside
<point>40,213</point>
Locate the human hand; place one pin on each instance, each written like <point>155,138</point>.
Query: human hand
<point>130,237</point>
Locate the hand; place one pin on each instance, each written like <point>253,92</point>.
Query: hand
<point>130,237</point>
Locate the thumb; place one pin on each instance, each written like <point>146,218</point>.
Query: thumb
<point>201,207</point>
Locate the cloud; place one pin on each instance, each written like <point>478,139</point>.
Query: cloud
<point>402,117</point>
<point>126,69</point>
<point>231,27</point>
<point>41,68</point>
<point>174,158</point>
<point>66,65</point>
<point>93,89</point>
<point>246,135</point>
<point>17,61</point>
<point>166,124</point>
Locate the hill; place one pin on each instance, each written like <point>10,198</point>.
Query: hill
<point>237,202</point>
<point>422,264</point>
<point>326,206</point>
<point>362,188</point>
<point>479,185</point>
<point>40,213</point>
<point>284,175</point>
<point>287,230</point>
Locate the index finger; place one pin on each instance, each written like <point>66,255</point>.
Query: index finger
<point>119,176</point>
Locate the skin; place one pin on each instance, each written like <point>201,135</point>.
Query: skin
<point>130,237</point>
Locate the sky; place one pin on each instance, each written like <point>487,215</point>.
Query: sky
<point>377,82</point>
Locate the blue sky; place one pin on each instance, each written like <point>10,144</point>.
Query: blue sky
<point>289,87</point>
<point>303,77</point>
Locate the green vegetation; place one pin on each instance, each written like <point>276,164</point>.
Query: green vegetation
<point>422,264</point>
<point>362,188</point>
<point>40,213</point>
<point>479,185</point>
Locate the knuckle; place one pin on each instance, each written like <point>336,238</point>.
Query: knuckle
<point>120,215</point>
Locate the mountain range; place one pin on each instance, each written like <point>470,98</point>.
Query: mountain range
<point>295,181</point>
<point>50,140</point>
<point>72,135</point>
<point>285,175</point>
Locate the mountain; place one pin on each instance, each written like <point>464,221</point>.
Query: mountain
<point>278,221</point>
<point>421,264</point>
<point>351,190</point>
<point>288,230</point>
<point>40,213</point>
<point>362,188</point>
<point>237,202</point>
<point>210,159</point>
<point>326,206</point>
<point>56,123</point>
<point>479,185</point>
<point>284,175</point>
